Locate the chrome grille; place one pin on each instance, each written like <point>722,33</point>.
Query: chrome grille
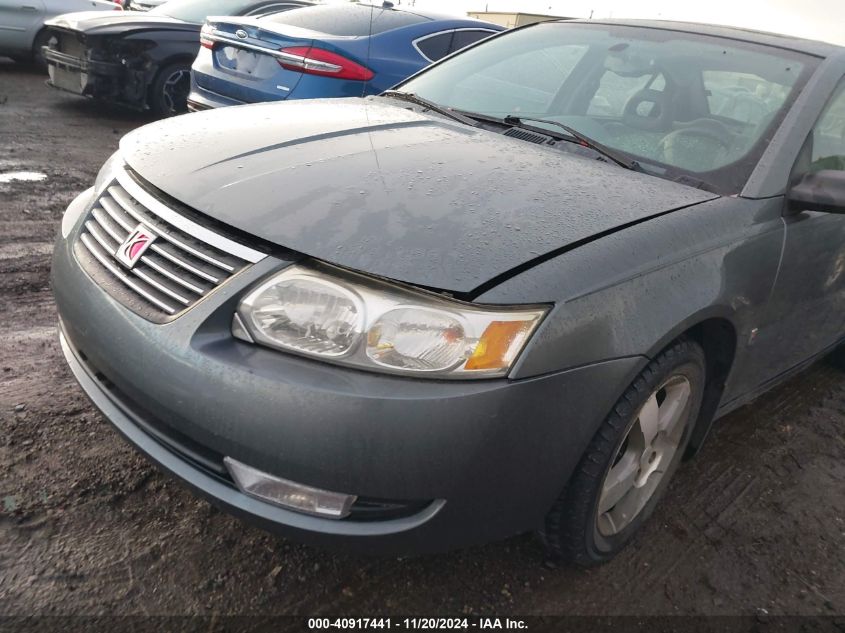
<point>184,263</point>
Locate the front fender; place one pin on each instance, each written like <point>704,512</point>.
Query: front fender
<point>632,292</point>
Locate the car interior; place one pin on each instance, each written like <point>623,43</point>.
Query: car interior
<point>674,102</point>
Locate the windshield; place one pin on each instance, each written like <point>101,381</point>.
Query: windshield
<point>681,104</point>
<point>198,10</point>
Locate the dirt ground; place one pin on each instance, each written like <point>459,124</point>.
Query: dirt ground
<point>756,524</point>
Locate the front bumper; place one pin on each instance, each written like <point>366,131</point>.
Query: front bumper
<point>110,81</point>
<point>76,74</point>
<point>487,458</point>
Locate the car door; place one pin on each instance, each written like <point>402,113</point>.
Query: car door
<point>806,313</point>
<point>19,21</point>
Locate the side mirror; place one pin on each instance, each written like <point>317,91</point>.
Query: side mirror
<point>820,191</point>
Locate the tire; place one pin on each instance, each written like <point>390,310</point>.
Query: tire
<point>578,529</point>
<point>41,40</point>
<point>169,90</point>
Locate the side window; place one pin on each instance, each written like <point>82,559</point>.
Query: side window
<point>829,134</point>
<point>437,46</point>
<point>462,39</point>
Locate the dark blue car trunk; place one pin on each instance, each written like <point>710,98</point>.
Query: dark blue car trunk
<point>376,49</point>
<point>242,71</point>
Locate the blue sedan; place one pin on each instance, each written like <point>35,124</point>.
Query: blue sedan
<point>346,50</point>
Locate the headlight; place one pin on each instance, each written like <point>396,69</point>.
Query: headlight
<point>107,172</point>
<point>353,320</point>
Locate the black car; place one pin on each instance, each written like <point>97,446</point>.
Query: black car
<point>140,60</point>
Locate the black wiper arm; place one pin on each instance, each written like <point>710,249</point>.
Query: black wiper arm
<point>616,157</point>
<point>410,97</point>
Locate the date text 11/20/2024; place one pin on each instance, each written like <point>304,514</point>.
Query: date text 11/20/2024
<point>436,624</point>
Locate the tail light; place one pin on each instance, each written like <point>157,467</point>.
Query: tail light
<point>318,61</point>
<point>118,5</point>
<point>205,36</point>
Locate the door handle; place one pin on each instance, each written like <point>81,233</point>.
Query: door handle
<point>29,8</point>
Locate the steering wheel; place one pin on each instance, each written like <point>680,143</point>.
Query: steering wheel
<point>710,130</point>
<point>659,116</point>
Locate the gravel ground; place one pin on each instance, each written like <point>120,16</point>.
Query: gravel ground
<point>756,522</point>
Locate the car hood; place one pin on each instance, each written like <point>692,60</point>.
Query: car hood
<point>102,23</point>
<point>376,187</point>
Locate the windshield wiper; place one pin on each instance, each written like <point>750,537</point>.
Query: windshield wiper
<point>470,118</point>
<point>617,157</point>
<point>410,97</point>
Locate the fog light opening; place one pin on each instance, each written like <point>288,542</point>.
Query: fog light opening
<point>289,494</point>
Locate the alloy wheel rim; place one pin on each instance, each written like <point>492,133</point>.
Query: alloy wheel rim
<point>176,89</point>
<point>644,456</point>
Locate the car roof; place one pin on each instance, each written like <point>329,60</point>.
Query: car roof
<point>811,47</point>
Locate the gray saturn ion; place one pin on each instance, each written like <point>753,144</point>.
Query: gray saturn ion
<point>511,294</point>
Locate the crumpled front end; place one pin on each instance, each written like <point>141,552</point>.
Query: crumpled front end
<point>110,69</point>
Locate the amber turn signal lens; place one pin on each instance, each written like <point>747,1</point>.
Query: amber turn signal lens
<point>499,343</point>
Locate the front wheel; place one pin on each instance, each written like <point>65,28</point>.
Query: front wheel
<point>170,89</point>
<point>41,40</point>
<point>630,461</point>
